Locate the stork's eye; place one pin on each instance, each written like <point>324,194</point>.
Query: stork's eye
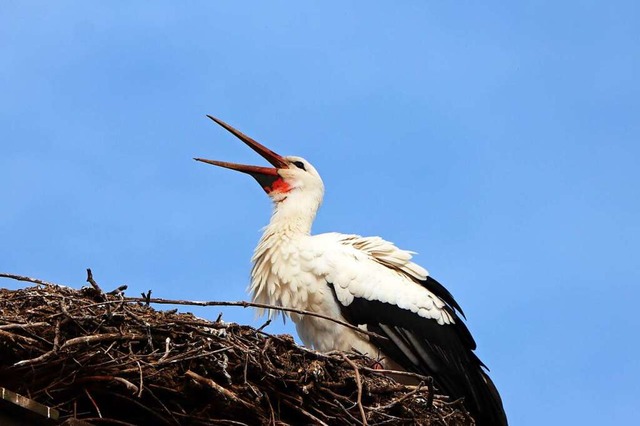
<point>299,164</point>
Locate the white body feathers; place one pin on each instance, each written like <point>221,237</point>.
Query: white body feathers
<point>298,270</point>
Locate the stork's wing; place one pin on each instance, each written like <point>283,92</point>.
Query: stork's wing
<point>377,285</point>
<point>389,255</point>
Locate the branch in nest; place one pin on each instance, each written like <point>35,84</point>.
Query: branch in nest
<point>359,385</point>
<point>28,279</point>
<point>216,387</point>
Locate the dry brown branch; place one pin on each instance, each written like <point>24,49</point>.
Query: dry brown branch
<point>17,337</point>
<point>93,282</point>
<point>23,326</point>
<point>133,388</point>
<point>359,385</point>
<point>217,388</point>
<point>27,279</point>
<point>401,398</point>
<point>95,405</point>
<point>420,377</point>
<point>244,304</point>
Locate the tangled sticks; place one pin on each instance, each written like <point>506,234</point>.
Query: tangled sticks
<point>109,359</point>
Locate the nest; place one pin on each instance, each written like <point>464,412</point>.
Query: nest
<point>110,359</point>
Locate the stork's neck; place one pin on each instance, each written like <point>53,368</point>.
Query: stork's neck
<point>292,216</point>
<point>292,219</point>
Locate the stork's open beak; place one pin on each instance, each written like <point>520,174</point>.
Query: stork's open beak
<point>266,176</point>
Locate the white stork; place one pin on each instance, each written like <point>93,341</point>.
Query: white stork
<point>366,281</point>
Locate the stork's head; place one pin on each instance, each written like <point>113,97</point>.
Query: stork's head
<point>291,179</point>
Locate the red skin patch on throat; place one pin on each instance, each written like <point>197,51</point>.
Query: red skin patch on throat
<point>279,185</point>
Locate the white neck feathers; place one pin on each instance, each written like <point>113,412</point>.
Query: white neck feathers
<point>291,221</point>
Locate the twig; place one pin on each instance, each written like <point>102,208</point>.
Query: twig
<point>118,290</point>
<point>304,412</point>
<point>31,280</point>
<point>219,389</point>
<point>359,384</point>
<point>93,402</point>
<point>91,281</point>
<point>101,338</point>
<point>345,410</point>
<point>141,383</point>
<point>402,398</point>
<point>246,365</point>
<point>95,285</point>
<point>396,373</point>
<point>133,388</point>
<point>167,349</point>
<point>27,325</point>
<point>17,337</point>
<point>146,297</point>
<point>245,304</point>
<point>265,325</point>
<point>56,337</point>
<point>78,340</point>
<point>198,354</point>
<point>35,360</point>
<point>272,414</point>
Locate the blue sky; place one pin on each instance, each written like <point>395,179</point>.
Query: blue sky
<point>500,140</point>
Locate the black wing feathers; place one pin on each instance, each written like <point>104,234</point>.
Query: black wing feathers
<point>444,352</point>
<point>439,290</point>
